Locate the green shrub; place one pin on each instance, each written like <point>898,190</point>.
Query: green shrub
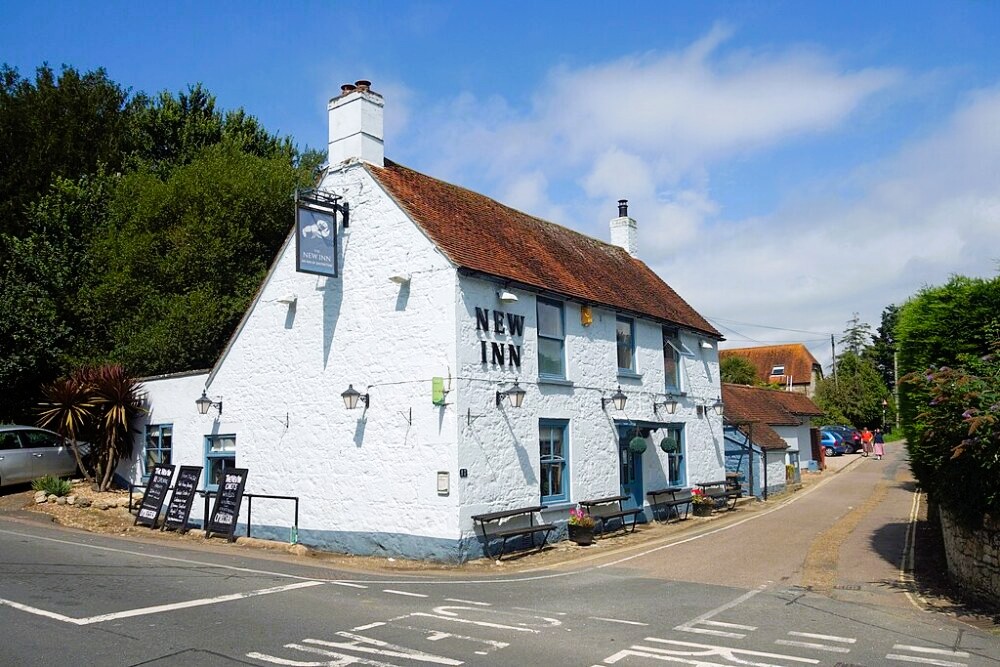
<point>52,485</point>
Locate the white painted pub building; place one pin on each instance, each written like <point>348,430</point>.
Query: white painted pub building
<point>444,310</point>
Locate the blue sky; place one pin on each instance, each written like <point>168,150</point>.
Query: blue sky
<point>789,163</point>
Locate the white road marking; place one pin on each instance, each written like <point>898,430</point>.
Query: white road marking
<point>346,583</point>
<point>928,649</point>
<point>263,657</point>
<point>368,627</point>
<point>434,634</point>
<point>460,601</point>
<point>616,620</point>
<point>725,652</point>
<point>907,557</point>
<point>818,647</point>
<point>704,619</point>
<point>736,626</point>
<point>485,624</point>
<point>924,661</point>
<point>343,660</point>
<point>406,593</point>
<point>145,611</point>
<point>543,611</point>
<point>358,643</point>
<point>706,631</point>
<point>832,638</point>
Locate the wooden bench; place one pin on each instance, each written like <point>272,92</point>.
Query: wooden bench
<point>604,509</point>
<point>722,492</point>
<point>507,532</point>
<point>672,499</point>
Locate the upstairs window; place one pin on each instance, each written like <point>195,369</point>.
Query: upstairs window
<point>778,370</point>
<point>551,339</point>
<point>672,360</point>
<point>625,341</point>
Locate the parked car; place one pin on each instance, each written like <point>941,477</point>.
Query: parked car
<point>27,453</point>
<point>834,443</point>
<point>850,435</point>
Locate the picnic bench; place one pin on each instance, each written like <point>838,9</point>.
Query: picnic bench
<point>504,531</point>
<point>722,492</point>
<point>671,499</point>
<point>601,510</point>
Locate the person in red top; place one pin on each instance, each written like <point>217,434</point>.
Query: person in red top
<point>866,440</point>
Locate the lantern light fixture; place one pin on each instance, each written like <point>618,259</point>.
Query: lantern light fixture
<point>352,397</point>
<point>506,296</point>
<point>618,399</point>
<point>515,395</point>
<point>718,406</point>
<point>204,403</point>
<point>669,404</point>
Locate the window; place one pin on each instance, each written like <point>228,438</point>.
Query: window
<point>220,455</point>
<point>625,338</point>
<point>552,448</point>
<point>676,472</point>
<point>31,439</point>
<point>159,442</point>
<point>778,370</point>
<point>551,339</point>
<point>672,360</point>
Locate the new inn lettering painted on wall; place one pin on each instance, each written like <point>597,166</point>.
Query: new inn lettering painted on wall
<point>504,327</point>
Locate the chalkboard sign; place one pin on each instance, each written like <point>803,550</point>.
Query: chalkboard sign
<point>226,511</point>
<point>156,493</point>
<point>179,508</point>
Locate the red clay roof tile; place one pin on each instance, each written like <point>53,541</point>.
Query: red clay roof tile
<point>795,357</point>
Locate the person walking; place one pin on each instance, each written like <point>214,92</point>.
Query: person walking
<point>879,444</point>
<point>866,440</point>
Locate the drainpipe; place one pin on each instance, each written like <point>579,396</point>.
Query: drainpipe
<point>763,456</point>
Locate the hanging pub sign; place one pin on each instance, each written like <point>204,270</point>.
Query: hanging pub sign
<point>228,499</point>
<point>156,493</point>
<point>179,509</point>
<point>316,232</point>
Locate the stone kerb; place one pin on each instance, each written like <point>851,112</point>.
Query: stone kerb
<point>973,556</point>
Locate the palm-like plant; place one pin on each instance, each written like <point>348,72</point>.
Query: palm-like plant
<point>117,402</point>
<point>68,409</point>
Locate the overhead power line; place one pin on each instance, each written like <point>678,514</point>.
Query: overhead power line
<point>719,320</point>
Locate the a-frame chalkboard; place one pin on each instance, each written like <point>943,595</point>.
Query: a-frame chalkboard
<point>179,508</point>
<point>226,511</point>
<point>156,493</point>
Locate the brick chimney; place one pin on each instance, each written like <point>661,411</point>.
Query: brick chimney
<point>356,125</point>
<point>624,230</point>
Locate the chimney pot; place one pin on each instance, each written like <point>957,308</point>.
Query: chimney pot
<point>346,88</point>
<point>624,231</point>
<point>356,125</point>
<point>362,84</point>
<point>622,208</point>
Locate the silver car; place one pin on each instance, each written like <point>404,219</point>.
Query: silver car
<point>27,453</point>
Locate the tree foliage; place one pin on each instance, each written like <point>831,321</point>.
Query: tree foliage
<point>738,370</point>
<point>882,351</point>
<point>133,229</point>
<point>855,396</point>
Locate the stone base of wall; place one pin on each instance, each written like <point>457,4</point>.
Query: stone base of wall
<point>973,556</point>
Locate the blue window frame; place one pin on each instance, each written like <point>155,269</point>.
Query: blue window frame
<point>551,339</point>
<point>159,446</point>
<point>672,360</point>
<point>220,455</point>
<point>553,449</point>
<point>676,469</point>
<point>625,343</point>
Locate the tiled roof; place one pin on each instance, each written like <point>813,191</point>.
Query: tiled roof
<point>795,357</point>
<point>484,236</point>
<point>763,435</point>
<point>744,403</point>
<point>798,404</point>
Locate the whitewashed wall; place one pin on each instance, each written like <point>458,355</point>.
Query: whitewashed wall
<point>499,446</point>
<point>798,439</point>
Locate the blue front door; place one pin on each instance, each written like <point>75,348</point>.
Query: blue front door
<point>629,468</point>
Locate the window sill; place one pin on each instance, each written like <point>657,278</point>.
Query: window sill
<point>629,375</point>
<point>557,506</point>
<point>559,382</point>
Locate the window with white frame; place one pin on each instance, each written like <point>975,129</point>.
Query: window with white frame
<point>551,339</point>
<point>672,360</point>
<point>625,342</point>
<point>777,370</point>
<point>674,451</point>
<point>220,455</point>
<point>553,448</point>
<point>159,443</point>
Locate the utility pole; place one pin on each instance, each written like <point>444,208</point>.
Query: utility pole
<point>833,350</point>
<point>895,383</point>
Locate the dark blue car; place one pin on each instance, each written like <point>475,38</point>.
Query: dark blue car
<point>833,443</point>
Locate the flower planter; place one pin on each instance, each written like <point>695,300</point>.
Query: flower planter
<point>702,510</point>
<point>582,535</point>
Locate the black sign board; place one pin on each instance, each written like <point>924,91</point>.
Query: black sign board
<point>156,493</point>
<point>226,510</point>
<point>179,508</point>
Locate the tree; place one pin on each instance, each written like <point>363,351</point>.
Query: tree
<point>857,394</point>
<point>882,351</point>
<point>69,410</point>
<point>857,336</point>
<point>738,370</point>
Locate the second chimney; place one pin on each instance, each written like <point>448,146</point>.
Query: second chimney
<point>356,125</point>
<point>624,230</point>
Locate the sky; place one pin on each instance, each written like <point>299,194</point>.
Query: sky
<point>789,163</point>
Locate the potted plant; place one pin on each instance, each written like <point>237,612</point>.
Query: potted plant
<point>581,527</point>
<point>701,504</point>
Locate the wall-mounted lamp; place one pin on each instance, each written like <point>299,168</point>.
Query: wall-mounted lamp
<point>705,345</point>
<point>618,399</point>
<point>204,403</point>
<point>718,406</point>
<point>352,396</point>
<point>669,404</point>
<point>515,394</point>
<point>400,278</point>
<point>506,297</point>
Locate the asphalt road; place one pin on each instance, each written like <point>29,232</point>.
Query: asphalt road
<point>819,580</point>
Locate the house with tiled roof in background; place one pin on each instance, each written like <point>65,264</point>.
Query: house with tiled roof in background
<point>765,429</point>
<point>791,366</point>
<point>493,360</point>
